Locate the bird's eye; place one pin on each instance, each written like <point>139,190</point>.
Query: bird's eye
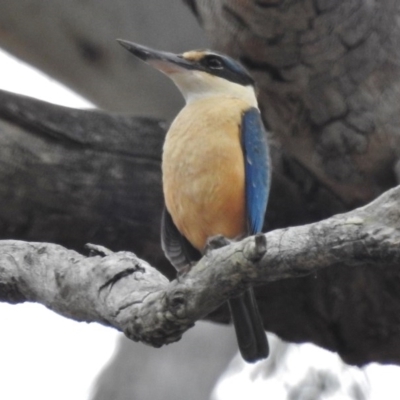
<point>214,63</point>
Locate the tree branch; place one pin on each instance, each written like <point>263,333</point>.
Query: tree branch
<point>125,292</point>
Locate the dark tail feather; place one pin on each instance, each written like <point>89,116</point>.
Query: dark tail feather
<point>251,337</point>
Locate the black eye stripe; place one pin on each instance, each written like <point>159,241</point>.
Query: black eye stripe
<point>213,62</point>
<point>223,67</point>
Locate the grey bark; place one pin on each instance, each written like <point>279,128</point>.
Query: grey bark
<point>72,176</point>
<point>123,291</point>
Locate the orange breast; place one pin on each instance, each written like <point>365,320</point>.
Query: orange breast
<point>203,170</point>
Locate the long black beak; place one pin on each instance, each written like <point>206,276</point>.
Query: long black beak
<point>163,61</point>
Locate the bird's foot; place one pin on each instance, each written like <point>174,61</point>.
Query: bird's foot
<point>97,250</point>
<point>216,242</point>
<point>260,246</point>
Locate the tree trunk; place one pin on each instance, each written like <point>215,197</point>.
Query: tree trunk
<point>329,76</point>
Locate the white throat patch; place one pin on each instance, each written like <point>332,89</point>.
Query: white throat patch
<point>195,85</point>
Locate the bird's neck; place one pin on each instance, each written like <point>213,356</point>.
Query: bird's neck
<point>212,87</point>
<point>246,96</point>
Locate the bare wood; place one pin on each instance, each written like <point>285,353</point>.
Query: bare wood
<point>127,293</point>
<point>76,176</point>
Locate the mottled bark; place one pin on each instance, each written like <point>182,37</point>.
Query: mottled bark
<point>123,291</point>
<point>329,76</point>
<point>73,176</point>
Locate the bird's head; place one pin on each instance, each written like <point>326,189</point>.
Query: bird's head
<point>199,73</point>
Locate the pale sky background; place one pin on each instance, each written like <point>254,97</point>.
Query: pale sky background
<point>48,357</point>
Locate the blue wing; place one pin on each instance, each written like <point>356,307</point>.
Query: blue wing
<point>257,169</point>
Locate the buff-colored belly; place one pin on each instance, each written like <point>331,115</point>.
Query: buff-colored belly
<point>203,171</point>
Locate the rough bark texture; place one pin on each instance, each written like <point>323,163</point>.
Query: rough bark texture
<point>329,76</point>
<point>120,290</point>
<point>73,176</point>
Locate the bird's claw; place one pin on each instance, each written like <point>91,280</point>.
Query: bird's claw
<point>216,242</point>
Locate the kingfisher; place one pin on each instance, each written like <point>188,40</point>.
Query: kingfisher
<point>215,168</point>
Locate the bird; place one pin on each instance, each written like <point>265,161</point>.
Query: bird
<point>215,169</point>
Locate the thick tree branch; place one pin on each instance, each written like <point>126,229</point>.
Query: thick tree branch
<point>125,292</point>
